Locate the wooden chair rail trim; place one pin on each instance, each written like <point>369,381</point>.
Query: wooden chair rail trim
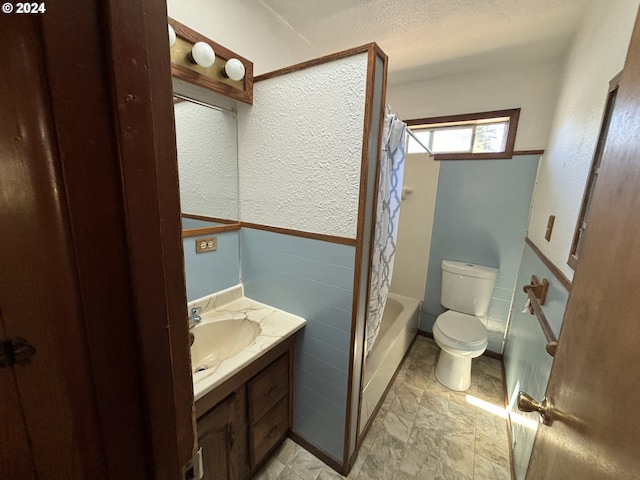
<point>209,219</point>
<point>194,232</point>
<point>528,152</point>
<point>300,233</point>
<point>561,277</point>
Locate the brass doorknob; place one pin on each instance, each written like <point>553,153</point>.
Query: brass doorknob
<point>526,403</point>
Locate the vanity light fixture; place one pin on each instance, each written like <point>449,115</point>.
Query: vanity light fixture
<point>200,61</point>
<point>234,69</point>
<point>172,36</point>
<point>202,54</point>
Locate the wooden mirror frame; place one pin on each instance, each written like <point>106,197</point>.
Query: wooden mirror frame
<point>581,223</point>
<point>228,226</point>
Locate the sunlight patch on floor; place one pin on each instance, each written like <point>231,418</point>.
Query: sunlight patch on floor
<point>489,407</point>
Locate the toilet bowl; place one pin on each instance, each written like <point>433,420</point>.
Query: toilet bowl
<point>461,338</point>
<point>466,292</point>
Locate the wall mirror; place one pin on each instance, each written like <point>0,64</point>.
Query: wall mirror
<point>583,216</point>
<point>207,145</point>
<point>206,129</point>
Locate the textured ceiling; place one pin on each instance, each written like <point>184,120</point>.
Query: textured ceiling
<point>431,38</point>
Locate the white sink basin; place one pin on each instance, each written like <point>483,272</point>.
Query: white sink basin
<point>220,340</point>
<point>235,331</point>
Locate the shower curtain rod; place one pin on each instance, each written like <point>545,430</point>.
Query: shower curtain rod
<point>390,110</point>
<point>413,135</point>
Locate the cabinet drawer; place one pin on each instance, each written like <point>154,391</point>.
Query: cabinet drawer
<point>268,387</point>
<point>269,430</point>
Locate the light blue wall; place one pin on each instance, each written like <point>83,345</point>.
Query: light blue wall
<point>482,209</point>
<point>527,363</point>
<point>313,279</point>
<point>210,272</point>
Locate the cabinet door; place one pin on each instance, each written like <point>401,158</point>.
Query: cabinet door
<point>213,437</point>
<point>222,434</point>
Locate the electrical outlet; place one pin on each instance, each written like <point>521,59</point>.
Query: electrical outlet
<point>209,244</point>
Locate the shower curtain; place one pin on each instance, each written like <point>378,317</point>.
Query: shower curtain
<point>387,218</point>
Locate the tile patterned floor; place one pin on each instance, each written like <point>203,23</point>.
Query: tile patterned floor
<point>422,431</point>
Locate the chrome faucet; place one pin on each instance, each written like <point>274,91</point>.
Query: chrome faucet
<point>194,317</point>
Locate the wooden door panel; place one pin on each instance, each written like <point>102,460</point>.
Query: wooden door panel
<point>37,283</point>
<point>595,379</point>
<point>90,242</point>
<point>15,452</point>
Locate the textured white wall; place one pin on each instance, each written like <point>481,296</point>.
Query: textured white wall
<point>207,160</point>
<point>597,56</point>
<point>301,148</point>
<point>247,27</point>
<point>532,87</point>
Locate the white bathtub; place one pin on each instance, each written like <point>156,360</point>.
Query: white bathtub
<point>397,331</point>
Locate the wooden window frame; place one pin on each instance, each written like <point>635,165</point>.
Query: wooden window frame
<point>572,261</point>
<point>513,114</point>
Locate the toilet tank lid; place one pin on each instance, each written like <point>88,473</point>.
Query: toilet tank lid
<point>469,269</point>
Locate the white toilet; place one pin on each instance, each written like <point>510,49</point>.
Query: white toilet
<point>466,292</point>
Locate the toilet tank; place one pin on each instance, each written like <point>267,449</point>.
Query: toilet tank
<point>467,287</point>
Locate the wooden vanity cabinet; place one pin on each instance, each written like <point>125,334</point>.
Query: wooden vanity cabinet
<point>222,434</point>
<point>242,421</point>
<point>268,394</point>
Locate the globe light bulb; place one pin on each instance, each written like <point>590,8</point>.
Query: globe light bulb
<point>234,69</point>
<point>172,36</point>
<point>203,54</point>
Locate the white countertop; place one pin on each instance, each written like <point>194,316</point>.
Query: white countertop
<point>276,325</point>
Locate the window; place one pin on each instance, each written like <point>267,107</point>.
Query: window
<point>464,137</point>
<point>581,224</point>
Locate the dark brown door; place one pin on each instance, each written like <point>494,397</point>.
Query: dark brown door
<point>15,452</point>
<point>595,379</point>
<point>90,246</point>
<point>40,299</point>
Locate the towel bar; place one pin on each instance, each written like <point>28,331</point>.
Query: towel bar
<point>537,293</point>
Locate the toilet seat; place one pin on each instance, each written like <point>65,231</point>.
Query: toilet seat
<point>461,329</point>
<point>461,338</point>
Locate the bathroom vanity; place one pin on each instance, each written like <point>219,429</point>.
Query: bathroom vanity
<point>239,432</point>
<point>244,396</point>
